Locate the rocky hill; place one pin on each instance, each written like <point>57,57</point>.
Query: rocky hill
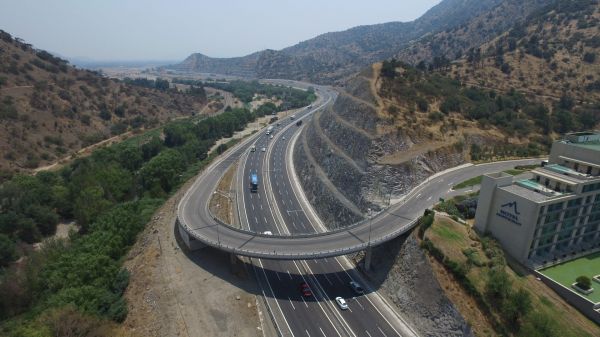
<point>333,56</point>
<point>49,109</point>
<point>554,54</point>
<point>454,42</point>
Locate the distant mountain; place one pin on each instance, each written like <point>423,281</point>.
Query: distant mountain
<point>49,109</point>
<point>454,42</point>
<point>333,56</point>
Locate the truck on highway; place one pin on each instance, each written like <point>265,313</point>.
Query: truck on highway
<point>253,182</point>
<point>269,130</point>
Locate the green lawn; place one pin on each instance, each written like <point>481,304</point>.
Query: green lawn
<point>477,180</point>
<point>468,183</point>
<point>566,273</point>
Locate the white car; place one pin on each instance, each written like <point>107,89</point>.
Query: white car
<point>268,233</point>
<point>341,303</point>
<point>283,137</point>
<point>264,149</point>
<point>357,288</point>
<point>271,137</point>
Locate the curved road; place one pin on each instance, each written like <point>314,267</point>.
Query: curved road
<point>194,217</point>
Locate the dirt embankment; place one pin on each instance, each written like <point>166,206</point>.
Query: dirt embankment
<point>176,293</point>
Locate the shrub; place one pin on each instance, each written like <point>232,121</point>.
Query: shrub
<point>7,250</point>
<point>584,282</point>
<point>589,57</point>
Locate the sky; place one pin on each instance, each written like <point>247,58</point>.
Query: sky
<point>106,30</point>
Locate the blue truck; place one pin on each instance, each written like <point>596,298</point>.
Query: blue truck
<point>253,182</point>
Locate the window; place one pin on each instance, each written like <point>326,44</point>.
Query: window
<point>571,213</point>
<point>574,202</point>
<point>559,205</point>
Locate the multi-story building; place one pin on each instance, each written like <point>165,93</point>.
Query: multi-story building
<point>553,216</point>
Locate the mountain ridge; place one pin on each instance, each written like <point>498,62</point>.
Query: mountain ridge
<point>332,56</point>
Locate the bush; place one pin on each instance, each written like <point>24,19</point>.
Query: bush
<point>7,250</point>
<point>584,282</point>
<point>589,57</point>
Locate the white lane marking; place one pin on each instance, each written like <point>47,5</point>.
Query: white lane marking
<point>264,217</point>
<point>383,333</point>
<point>258,196</point>
<point>357,301</point>
<point>289,274</point>
<point>418,195</point>
<point>307,333</point>
<point>277,274</point>
<point>306,304</point>
<point>373,304</point>
<point>276,302</point>
<point>327,278</point>
<point>256,220</point>
<point>260,207</point>
<point>283,201</point>
<point>318,301</point>
<point>368,333</point>
<point>252,206</point>
<point>293,307</point>
<point>322,332</point>
<point>429,198</point>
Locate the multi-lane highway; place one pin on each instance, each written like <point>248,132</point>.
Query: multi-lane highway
<point>276,208</point>
<point>276,224</point>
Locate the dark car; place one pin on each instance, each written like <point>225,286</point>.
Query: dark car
<point>298,123</point>
<point>305,289</point>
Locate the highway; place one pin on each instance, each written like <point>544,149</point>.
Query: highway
<point>277,209</point>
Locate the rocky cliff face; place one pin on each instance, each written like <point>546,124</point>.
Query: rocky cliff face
<point>402,274</point>
<point>339,157</point>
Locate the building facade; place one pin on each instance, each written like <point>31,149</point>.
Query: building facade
<point>553,216</point>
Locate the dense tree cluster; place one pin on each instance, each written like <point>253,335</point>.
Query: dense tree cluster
<point>110,195</point>
<point>511,112</point>
<point>292,98</point>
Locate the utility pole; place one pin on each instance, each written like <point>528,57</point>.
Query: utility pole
<point>368,252</point>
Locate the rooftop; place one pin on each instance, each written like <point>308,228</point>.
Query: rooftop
<point>584,138</point>
<point>531,190</point>
<point>566,273</point>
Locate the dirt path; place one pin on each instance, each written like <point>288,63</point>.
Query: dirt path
<point>176,293</point>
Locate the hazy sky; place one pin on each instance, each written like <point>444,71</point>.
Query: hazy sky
<point>171,30</point>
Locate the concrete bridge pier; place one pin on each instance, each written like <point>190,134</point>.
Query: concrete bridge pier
<point>368,254</point>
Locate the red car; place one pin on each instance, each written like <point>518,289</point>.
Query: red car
<point>305,289</point>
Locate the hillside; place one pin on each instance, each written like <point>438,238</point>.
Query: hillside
<point>49,109</point>
<point>453,43</point>
<point>553,54</point>
<point>333,56</point>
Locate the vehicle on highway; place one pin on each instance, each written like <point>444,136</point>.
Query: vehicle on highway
<point>269,130</point>
<point>357,288</point>
<point>298,123</point>
<point>264,149</point>
<point>341,303</point>
<point>253,182</point>
<point>253,148</point>
<point>271,137</point>
<point>268,233</point>
<point>283,137</point>
<point>305,289</point>
<point>292,116</point>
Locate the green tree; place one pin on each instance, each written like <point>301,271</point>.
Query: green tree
<point>498,285</point>
<point>516,306</point>
<point>7,250</point>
